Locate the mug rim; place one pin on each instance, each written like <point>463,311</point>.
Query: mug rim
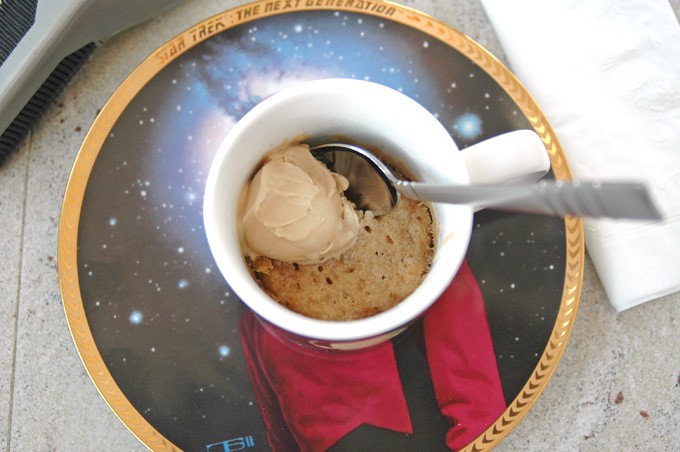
<point>449,252</point>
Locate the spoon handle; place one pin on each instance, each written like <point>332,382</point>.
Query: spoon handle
<point>551,197</point>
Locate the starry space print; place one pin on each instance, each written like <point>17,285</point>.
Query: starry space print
<point>164,320</point>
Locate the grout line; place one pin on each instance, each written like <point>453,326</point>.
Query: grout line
<point>10,408</point>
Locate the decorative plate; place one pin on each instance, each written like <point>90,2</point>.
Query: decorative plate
<point>165,341</point>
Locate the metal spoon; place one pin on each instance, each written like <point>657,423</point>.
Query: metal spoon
<point>373,186</point>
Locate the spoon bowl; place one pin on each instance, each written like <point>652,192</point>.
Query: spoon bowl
<point>372,185</point>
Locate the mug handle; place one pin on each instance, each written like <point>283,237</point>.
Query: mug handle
<point>514,157</point>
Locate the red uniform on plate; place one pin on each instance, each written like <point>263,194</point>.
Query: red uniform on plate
<point>310,400</point>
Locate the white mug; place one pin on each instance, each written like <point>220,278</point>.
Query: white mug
<point>368,113</point>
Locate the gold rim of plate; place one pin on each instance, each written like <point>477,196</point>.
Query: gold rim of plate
<point>77,184</point>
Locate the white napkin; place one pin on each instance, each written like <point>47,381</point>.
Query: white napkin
<point>606,73</point>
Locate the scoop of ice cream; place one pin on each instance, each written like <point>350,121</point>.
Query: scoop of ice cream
<point>295,210</point>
